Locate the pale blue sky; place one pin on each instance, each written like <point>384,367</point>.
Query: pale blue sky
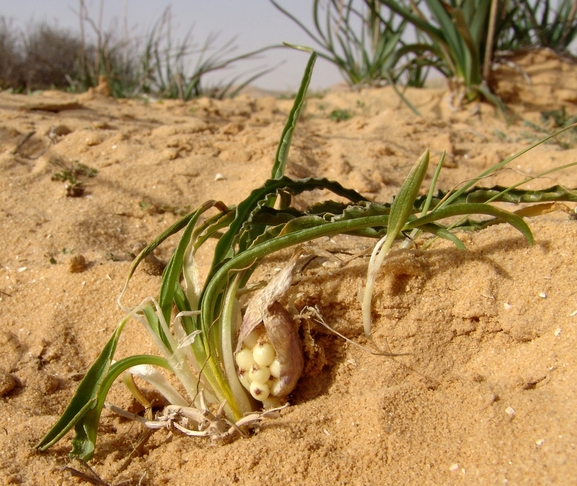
<point>256,22</point>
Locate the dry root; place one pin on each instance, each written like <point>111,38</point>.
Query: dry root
<point>200,423</point>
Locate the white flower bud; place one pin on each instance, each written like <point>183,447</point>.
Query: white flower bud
<point>260,374</point>
<point>251,340</point>
<point>263,354</point>
<point>259,391</point>
<point>244,359</point>
<point>275,368</point>
<point>270,333</point>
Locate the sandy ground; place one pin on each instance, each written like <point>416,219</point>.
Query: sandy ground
<point>485,390</point>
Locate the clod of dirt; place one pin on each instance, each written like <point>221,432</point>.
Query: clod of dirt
<point>153,266</point>
<point>7,383</point>
<point>77,264</point>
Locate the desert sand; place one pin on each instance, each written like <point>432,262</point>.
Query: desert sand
<point>484,391</point>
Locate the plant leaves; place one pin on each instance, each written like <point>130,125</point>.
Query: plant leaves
<point>474,208</point>
<point>287,134</point>
<point>174,268</point>
<point>85,398</point>
<point>401,209</point>
<point>84,442</point>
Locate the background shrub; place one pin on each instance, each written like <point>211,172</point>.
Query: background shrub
<point>10,57</point>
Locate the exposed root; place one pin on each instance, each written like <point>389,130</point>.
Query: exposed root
<point>200,423</point>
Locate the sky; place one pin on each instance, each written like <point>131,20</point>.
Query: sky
<point>256,23</point>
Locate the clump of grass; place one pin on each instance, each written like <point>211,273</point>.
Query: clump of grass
<point>11,65</point>
<point>204,337</point>
<point>559,118</point>
<point>552,120</point>
<point>74,177</point>
<point>367,46</point>
<point>340,115</point>
<point>159,65</point>
<point>51,57</point>
<point>541,23</point>
<point>369,42</point>
<point>457,34</point>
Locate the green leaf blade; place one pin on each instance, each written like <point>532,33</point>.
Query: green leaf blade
<point>475,208</point>
<point>281,157</point>
<point>85,397</point>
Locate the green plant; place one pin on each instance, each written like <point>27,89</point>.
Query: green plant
<point>50,57</point>
<point>530,24</point>
<point>549,24</point>
<point>199,327</point>
<point>110,56</point>
<point>366,45</point>
<point>166,69</point>
<point>457,37</point>
<point>340,115</point>
<point>159,66</point>
<point>559,118</point>
<point>73,176</point>
<point>552,120</point>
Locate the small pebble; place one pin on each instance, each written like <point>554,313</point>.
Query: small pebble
<point>170,153</point>
<point>92,139</point>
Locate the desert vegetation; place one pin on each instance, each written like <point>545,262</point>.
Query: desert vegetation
<point>326,284</point>
<point>154,64</point>
<point>241,369</point>
<point>377,42</point>
<point>372,42</point>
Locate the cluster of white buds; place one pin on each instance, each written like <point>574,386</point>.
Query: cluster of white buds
<point>258,367</point>
<point>269,354</point>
